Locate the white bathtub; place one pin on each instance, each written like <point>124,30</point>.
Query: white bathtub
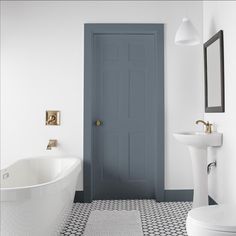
<point>37,195</point>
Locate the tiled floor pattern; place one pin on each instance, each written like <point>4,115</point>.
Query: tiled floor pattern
<point>165,218</point>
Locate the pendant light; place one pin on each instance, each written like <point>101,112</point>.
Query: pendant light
<point>187,34</point>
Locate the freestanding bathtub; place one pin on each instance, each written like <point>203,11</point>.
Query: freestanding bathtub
<point>37,195</point>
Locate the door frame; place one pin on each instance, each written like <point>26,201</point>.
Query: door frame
<point>89,31</point>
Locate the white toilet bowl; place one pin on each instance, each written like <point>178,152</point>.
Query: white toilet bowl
<point>217,220</point>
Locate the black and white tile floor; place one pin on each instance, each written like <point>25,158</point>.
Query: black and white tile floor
<point>165,218</point>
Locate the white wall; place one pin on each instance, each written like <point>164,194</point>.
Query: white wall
<point>220,15</point>
<point>42,68</point>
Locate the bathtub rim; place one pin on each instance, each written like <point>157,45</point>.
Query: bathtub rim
<point>78,163</point>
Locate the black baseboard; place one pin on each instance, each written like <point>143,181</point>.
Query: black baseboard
<point>170,196</point>
<point>183,195</point>
<point>211,201</point>
<point>79,196</point>
<point>178,195</point>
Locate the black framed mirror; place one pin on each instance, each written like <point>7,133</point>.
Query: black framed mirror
<point>214,73</point>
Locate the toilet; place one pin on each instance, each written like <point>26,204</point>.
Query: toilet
<point>217,220</point>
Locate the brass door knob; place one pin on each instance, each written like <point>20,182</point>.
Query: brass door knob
<point>98,123</point>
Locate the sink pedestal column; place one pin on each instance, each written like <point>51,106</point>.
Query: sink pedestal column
<point>200,179</point>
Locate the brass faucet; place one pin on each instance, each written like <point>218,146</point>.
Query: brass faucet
<point>51,143</point>
<point>208,126</point>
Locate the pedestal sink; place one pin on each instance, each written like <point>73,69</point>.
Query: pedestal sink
<point>197,143</point>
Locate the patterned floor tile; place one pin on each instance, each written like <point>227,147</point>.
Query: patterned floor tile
<point>158,218</point>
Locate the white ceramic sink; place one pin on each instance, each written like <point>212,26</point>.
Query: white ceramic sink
<point>199,139</point>
<point>197,143</point>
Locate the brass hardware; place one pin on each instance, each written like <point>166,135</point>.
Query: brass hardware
<point>208,126</point>
<point>51,143</point>
<point>98,123</point>
<point>52,117</point>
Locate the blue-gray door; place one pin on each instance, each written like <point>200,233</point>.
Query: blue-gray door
<point>127,115</point>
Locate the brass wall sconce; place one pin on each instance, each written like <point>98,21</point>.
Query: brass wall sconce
<point>52,117</point>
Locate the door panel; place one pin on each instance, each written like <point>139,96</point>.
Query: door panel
<point>137,156</point>
<point>136,101</point>
<point>110,157</point>
<point>124,150</point>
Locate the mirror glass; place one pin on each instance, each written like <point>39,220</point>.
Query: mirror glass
<point>214,74</point>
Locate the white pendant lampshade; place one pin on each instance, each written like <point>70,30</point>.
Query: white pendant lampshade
<point>187,34</point>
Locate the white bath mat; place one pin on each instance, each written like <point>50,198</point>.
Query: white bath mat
<point>114,223</point>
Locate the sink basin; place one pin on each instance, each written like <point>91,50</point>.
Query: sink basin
<point>199,139</point>
<point>197,143</point>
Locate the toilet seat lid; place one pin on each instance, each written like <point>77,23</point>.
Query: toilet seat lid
<point>217,217</point>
